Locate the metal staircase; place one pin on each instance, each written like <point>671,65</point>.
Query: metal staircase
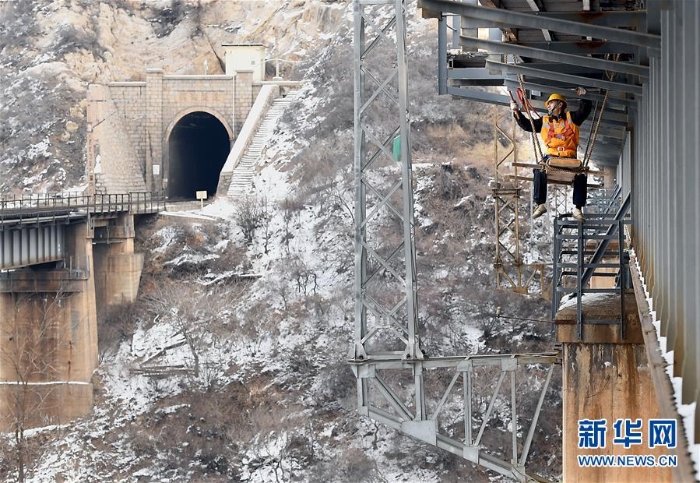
<point>581,250</point>
<point>244,171</point>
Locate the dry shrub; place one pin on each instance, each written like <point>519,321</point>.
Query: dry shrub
<point>455,203</point>
<point>252,213</point>
<point>448,139</point>
<point>115,324</point>
<point>356,465</point>
<point>350,465</point>
<point>233,258</point>
<point>259,323</point>
<point>194,239</point>
<point>322,161</point>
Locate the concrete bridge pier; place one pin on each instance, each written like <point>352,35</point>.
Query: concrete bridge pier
<point>48,328</point>
<point>606,377</point>
<point>48,338</point>
<point>117,267</point>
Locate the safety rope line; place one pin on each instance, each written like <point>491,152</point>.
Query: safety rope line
<point>587,154</point>
<point>527,107</point>
<point>591,142</point>
<point>590,131</point>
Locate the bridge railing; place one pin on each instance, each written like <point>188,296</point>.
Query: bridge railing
<point>135,202</point>
<point>57,205</point>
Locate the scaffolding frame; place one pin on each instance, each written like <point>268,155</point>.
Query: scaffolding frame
<point>511,272</point>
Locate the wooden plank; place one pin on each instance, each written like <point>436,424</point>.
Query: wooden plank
<point>525,178</point>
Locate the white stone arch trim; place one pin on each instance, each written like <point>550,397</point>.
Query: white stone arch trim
<point>190,110</point>
<point>165,163</point>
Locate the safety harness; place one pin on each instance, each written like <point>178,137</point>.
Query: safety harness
<point>564,130</point>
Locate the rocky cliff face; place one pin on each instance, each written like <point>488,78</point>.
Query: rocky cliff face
<point>51,50</point>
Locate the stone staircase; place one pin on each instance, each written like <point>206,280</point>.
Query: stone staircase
<point>243,173</point>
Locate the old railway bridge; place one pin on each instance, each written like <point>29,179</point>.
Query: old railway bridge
<point>151,146</point>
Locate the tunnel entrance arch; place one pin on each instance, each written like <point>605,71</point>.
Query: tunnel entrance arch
<point>197,143</point>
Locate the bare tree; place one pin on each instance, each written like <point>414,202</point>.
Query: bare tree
<point>32,341</point>
<point>254,213</point>
<point>191,310</point>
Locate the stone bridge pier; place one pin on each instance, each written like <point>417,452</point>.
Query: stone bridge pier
<point>117,267</point>
<point>48,322</point>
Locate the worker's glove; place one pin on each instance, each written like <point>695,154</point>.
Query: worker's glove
<point>580,91</point>
<point>513,106</point>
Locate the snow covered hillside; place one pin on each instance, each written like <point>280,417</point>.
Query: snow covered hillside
<point>231,366</point>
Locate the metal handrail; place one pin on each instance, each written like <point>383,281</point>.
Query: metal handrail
<point>603,230</point>
<point>56,206</point>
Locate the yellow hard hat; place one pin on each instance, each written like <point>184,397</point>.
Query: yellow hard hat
<point>556,97</point>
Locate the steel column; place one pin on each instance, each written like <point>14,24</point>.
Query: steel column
<point>383,321</point>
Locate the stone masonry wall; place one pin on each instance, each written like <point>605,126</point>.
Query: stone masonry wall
<point>244,98</point>
<point>197,93</point>
<point>112,160</point>
<point>129,98</point>
<point>142,115</point>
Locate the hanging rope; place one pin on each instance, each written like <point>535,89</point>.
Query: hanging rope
<point>591,140</point>
<point>590,131</point>
<point>527,107</point>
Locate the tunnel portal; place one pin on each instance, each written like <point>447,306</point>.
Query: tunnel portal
<point>198,147</point>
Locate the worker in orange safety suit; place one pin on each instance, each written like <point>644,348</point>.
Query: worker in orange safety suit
<point>559,130</point>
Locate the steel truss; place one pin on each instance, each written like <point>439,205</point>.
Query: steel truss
<point>560,196</point>
<point>385,275</point>
<point>386,349</point>
<point>511,272</point>
<point>469,395</point>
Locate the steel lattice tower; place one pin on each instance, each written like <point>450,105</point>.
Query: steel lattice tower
<point>385,283</point>
<point>386,355</point>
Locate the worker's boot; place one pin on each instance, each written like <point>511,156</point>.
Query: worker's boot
<point>540,210</point>
<point>578,215</point>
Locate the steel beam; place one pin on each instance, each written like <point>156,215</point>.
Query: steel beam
<point>23,246</point>
<point>473,73</point>
<point>478,95</point>
<point>626,19</point>
<point>549,56</point>
<point>613,101</point>
<point>571,79</point>
<point>634,19</point>
<point>535,8</point>
<point>582,47</point>
<point>529,20</point>
<point>561,68</point>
